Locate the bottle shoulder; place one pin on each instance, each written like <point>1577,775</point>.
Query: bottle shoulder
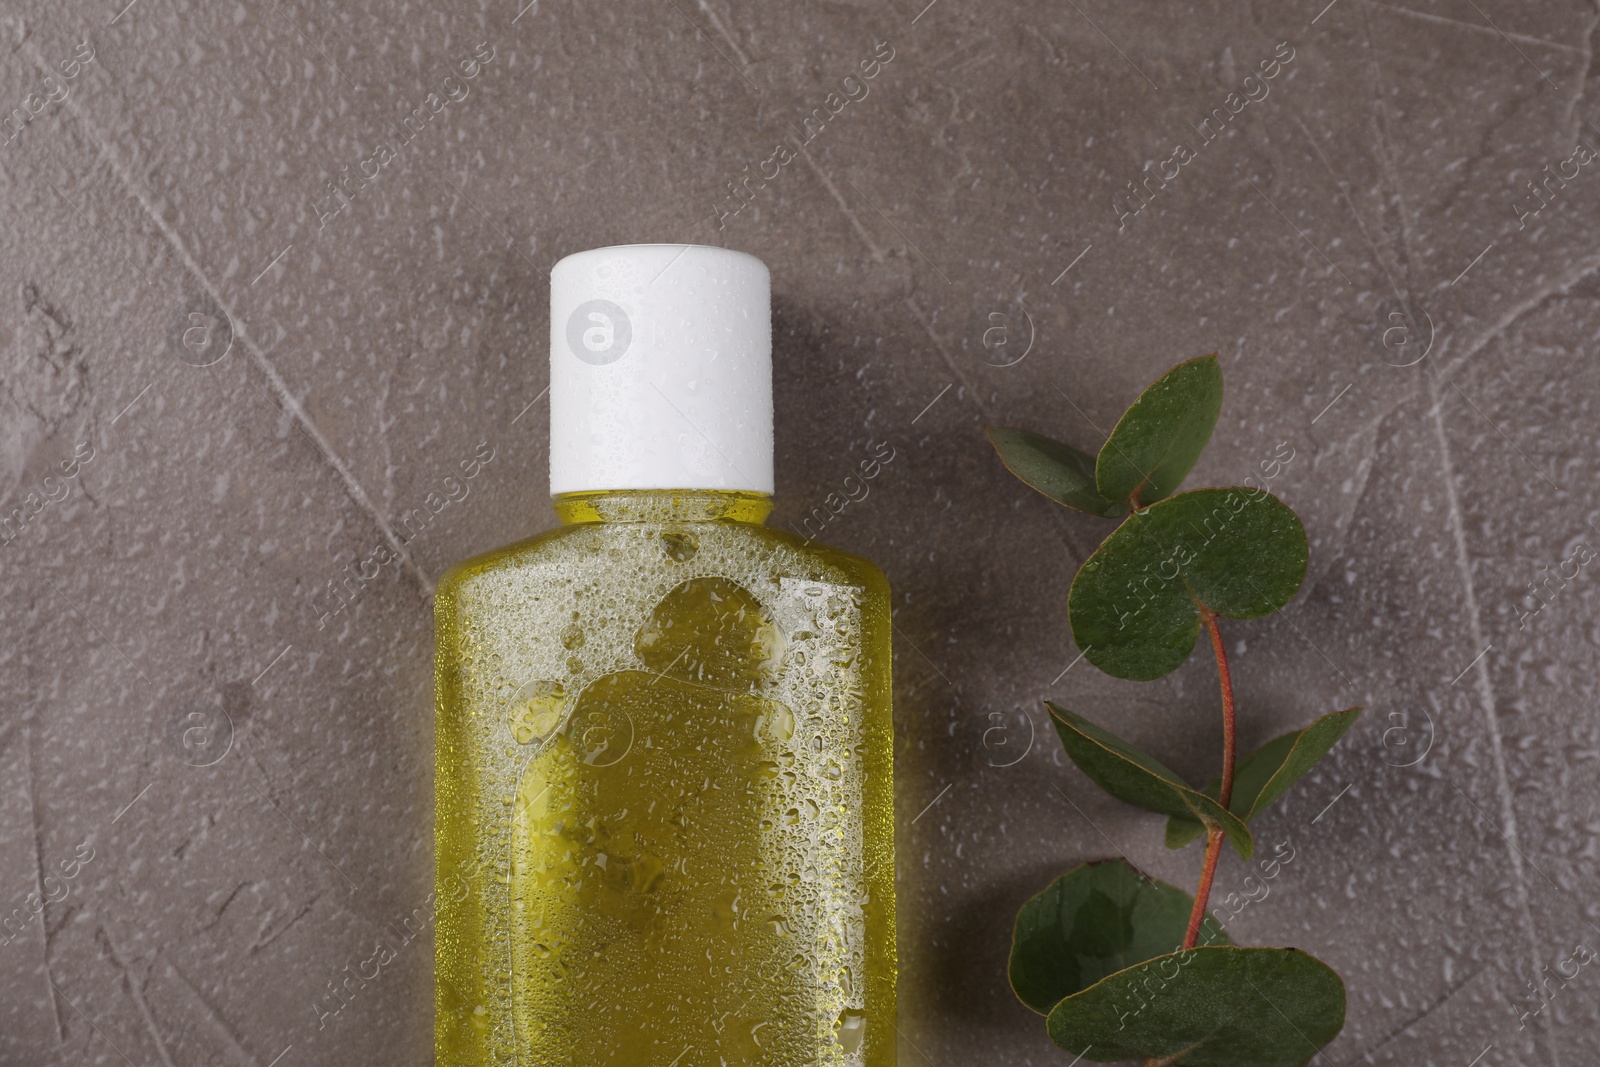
<point>860,570</point>
<point>496,559</point>
<point>598,547</point>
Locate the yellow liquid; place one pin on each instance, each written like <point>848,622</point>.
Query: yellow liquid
<point>664,795</point>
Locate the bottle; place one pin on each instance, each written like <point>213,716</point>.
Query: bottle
<point>664,749</point>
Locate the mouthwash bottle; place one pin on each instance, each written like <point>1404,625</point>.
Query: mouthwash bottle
<point>664,772</point>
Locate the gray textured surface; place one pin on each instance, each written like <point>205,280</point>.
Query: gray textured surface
<point>1316,243</point>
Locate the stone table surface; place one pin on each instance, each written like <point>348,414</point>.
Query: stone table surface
<point>243,347</point>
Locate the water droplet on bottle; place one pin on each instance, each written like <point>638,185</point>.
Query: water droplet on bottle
<point>711,631</point>
<point>681,545</point>
<point>536,710</point>
<point>779,723</point>
<point>850,1030</point>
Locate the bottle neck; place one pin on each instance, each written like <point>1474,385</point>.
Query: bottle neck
<point>662,506</point>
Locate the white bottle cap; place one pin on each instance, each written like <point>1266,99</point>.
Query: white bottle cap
<point>660,370</point>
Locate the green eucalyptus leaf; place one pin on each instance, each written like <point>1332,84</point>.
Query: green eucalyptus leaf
<point>1208,1007</point>
<point>1093,921</point>
<point>1137,778</point>
<point>1181,830</point>
<point>1157,440</point>
<point>1136,605</point>
<point>1266,774</point>
<point>1059,471</point>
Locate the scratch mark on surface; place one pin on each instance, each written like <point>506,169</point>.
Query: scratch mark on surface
<point>385,422</point>
<point>1344,194</point>
<point>92,1026</point>
<point>291,406</point>
<point>1385,156</point>
<point>219,1025</point>
<point>38,875</point>
<point>306,836</point>
<point>1475,27</point>
<point>1363,440</point>
<point>944,354</point>
<point>699,32</point>
<point>1507,438</point>
<point>1485,685</point>
<point>722,31</point>
<point>838,198</point>
<point>136,992</point>
<point>1049,46</point>
<point>1582,76</point>
<point>1558,288</point>
<point>897,230</point>
<point>7,729</point>
<point>261,944</point>
<point>1457,527</point>
<point>964,54</point>
<point>241,887</point>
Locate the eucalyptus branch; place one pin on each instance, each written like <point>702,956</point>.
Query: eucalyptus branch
<point>1131,980</point>
<point>1214,838</point>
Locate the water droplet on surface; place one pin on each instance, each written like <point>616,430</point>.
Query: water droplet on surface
<point>850,1031</point>
<point>536,711</point>
<point>711,631</point>
<point>779,725</point>
<point>681,545</point>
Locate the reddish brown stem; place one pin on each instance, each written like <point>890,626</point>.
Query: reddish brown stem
<point>1208,874</point>
<point>1225,794</point>
<point>1214,838</point>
